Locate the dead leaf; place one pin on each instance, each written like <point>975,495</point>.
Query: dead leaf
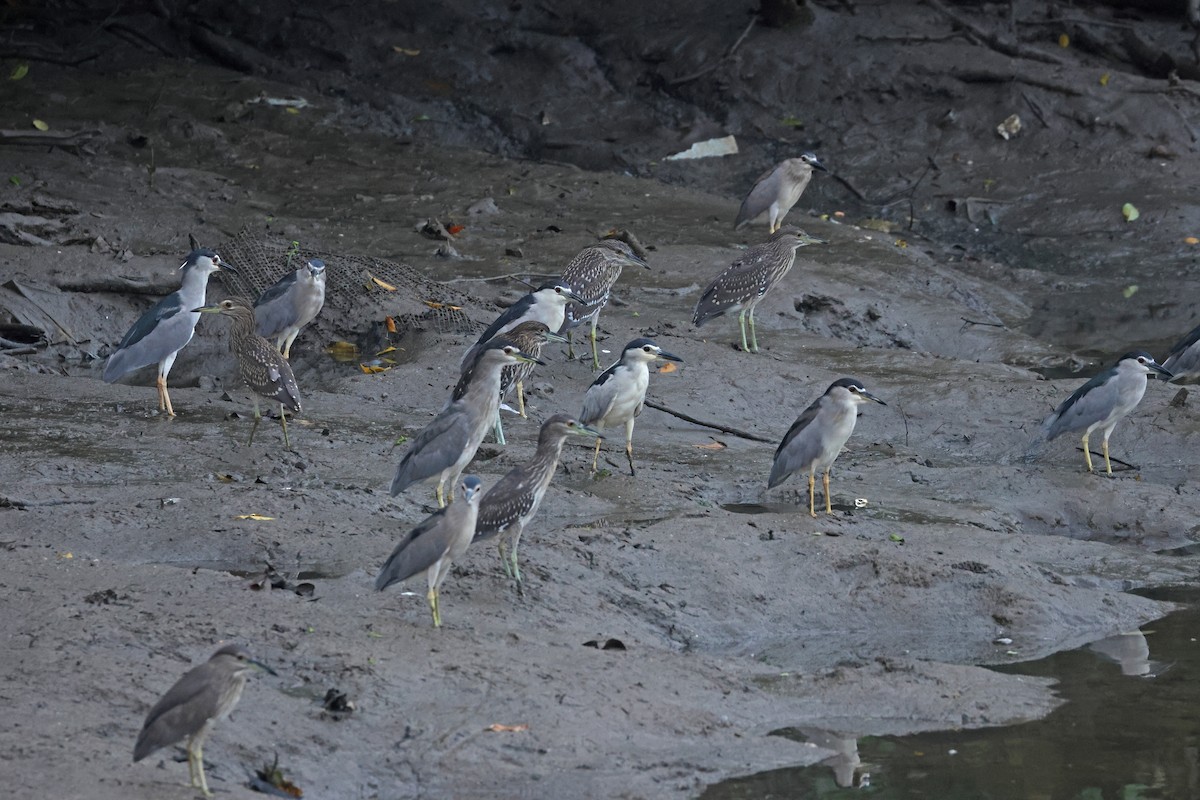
<point>255,517</point>
<point>342,351</point>
<point>1064,41</point>
<point>496,727</point>
<point>381,284</point>
<point>391,324</point>
<point>40,125</point>
<point>713,445</point>
<point>1104,79</point>
<point>373,369</point>
<point>386,350</point>
<point>1130,212</point>
<point>18,72</point>
<point>405,51</point>
<point>1191,240</point>
<point>667,368</point>
<point>224,477</point>
<point>435,305</point>
<point>454,230</point>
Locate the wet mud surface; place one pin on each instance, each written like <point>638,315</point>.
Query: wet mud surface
<point>123,560</point>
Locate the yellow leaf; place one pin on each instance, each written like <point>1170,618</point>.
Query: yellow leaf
<point>381,284</point>
<point>434,304</point>
<point>667,368</point>
<point>342,351</point>
<point>18,72</point>
<point>1191,240</point>
<point>386,350</point>
<point>901,243</point>
<point>1130,212</point>
<point>292,110</point>
<point>496,727</point>
<point>66,555</point>
<point>405,51</point>
<point>372,369</point>
<point>1129,291</point>
<point>40,125</point>
<point>224,477</point>
<point>255,517</point>
<point>713,445</point>
<point>1104,79</point>
<point>1064,40</point>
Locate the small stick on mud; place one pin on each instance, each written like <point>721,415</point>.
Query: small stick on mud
<point>1112,458</point>
<point>967,322</point>
<point>714,425</point>
<point>714,65</point>
<point>1015,49</point>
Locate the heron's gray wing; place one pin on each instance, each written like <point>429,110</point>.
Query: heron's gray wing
<point>599,398</point>
<point>506,319</point>
<point>1086,405</point>
<point>274,312</point>
<point>1184,355</point>
<point>417,551</point>
<point>180,712</point>
<point>797,449</point>
<point>437,446</point>
<point>760,197</point>
<point>166,327</point>
<point>511,498</point>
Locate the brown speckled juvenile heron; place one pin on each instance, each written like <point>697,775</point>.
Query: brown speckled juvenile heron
<point>164,330</point>
<point>778,189</point>
<point>591,275</point>
<point>616,397</point>
<point>295,300</point>
<point>745,282</point>
<point>512,502</point>
<point>818,435</point>
<point>190,708</point>
<point>446,445</point>
<point>262,367</point>
<point>1103,401</point>
<point>432,546</point>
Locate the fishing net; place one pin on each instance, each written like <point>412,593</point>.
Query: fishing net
<point>359,290</point>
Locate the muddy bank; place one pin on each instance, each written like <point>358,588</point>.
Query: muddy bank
<point>124,561</point>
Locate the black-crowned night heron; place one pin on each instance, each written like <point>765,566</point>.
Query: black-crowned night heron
<point>190,708</point>
<point>546,304</point>
<point>591,275</point>
<point>818,435</point>
<point>617,396</point>
<point>292,302</point>
<point>778,189</point>
<point>1183,361</point>
<point>262,367</point>
<point>1103,401</point>
<point>446,445</point>
<point>744,283</point>
<point>432,546</point>
<point>164,330</point>
<point>512,502</point>
<point>530,337</point>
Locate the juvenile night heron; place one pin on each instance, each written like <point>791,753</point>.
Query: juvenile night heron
<point>190,708</point>
<point>1103,401</point>
<point>777,190</point>
<point>818,435</point>
<point>546,304</point>
<point>294,301</point>
<point>164,330</point>
<point>1183,361</point>
<point>432,546</point>
<point>617,396</point>
<point>512,502</point>
<point>262,367</point>
<point>530,337</point>
<point>446,445</point>
<point>745,282</point>
<point>591,275</point>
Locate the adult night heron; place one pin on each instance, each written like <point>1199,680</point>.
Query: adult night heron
<point>512,502</point>
<point>262,367</point>
<point>446,445</point>
<point>164,330</point>
<point>530,337</point>
<point>777,190</point>
<point>190,708</point>
<point>744,283</point>
<point>818,435</point>
<point>617,396</point>
<point>1183,360</point>
<point>1103,401</point>
<point>546,304</point>
<point>283,310</point>
<point>591,275</point>
<point>432,546</point>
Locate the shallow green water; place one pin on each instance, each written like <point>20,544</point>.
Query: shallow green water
<point>1130,729</point>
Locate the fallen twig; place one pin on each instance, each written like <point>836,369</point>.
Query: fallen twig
<point>1015,49</point>
<point>715,64</point>
<point>714,425</point>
